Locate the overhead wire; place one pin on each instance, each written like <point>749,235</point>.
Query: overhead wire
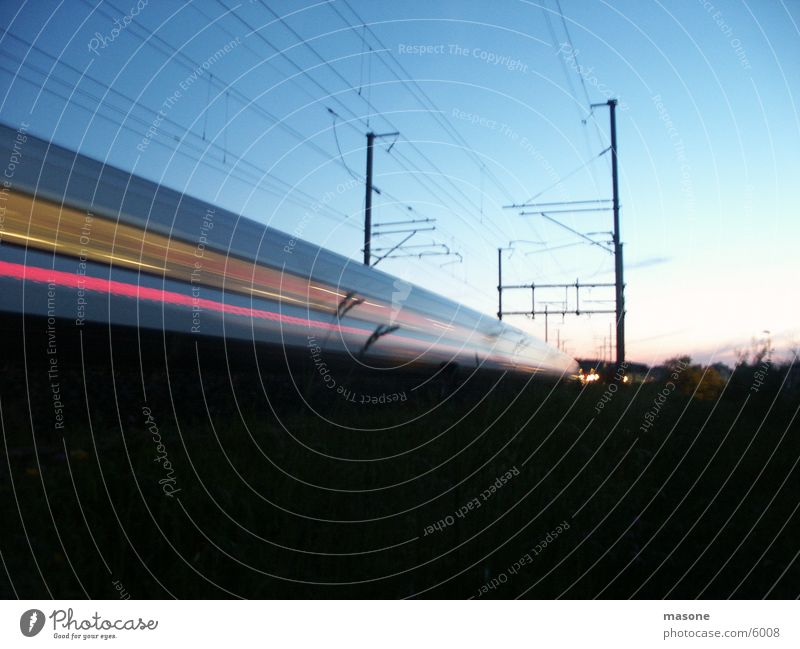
<point>182,59</point>
<point>590,113</point>
<point>582,166</point>
<point>292,62</point>
<point>582,113</point>
<point>157,42</point>
<point>369,104</point>
<point>439,113</point>
<point>257,176</point>
<point>402,160</point>
<point>426,101</point>
<point>339,148</point>
<point>250,103</point>
<point>409,165</point>
<point>331,95</point>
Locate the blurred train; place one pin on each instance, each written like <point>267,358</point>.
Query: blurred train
<point>83,242</point>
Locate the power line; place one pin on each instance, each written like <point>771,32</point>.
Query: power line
<point>590,111</point>
<point>316,53</point>
<point>335,98</point>
<point>251,104</point>
<point>103,108</point>
<point>260,176</point>
<point>186,62</point>
<point>414,87</point>
<point>339,148</point>
<point>304,73</point>
<point>563,178</point>
<point>575,55</point>
<point>554,39</point>
<point>422,178</point>
<point>291,61</point>
<point>582,114</point>
<point>436,112</point>
<point>328,93</point>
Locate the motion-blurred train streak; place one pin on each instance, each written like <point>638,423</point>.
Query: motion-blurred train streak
<point>86,243</point>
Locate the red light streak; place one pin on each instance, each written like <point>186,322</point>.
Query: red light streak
<point>121,289</point>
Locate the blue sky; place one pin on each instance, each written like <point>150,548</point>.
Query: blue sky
<point>708,127</point>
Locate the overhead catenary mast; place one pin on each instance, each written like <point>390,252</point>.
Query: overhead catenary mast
<point>619,282</point>
<point>368,196</point>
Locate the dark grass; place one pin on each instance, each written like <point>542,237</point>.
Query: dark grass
<point>274,502</point>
